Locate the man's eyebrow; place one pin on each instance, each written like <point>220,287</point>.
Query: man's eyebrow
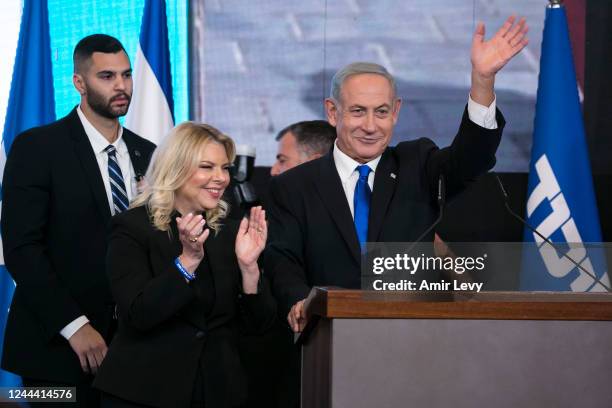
<point>109,71</point>
<point>384,105</point>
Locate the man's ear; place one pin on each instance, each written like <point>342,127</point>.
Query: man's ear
<point>331,110</point>
<point>396,109</point>
<point>79,83</point>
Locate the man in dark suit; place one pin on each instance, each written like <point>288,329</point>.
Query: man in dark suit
<point>62,183</point>
<point>363,190</point>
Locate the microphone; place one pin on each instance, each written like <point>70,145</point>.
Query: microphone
<point>441,199</point>
<point>242,170</point>
<point>549,242</point>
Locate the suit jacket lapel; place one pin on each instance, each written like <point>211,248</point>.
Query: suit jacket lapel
<point>332,194</point>
<point>384,187</point>
<point>87,157</point>
<point>137,157</point>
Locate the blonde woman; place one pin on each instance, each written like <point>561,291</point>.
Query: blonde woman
<point>185,281</point>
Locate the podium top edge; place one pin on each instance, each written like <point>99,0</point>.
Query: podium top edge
<point>464,296</point>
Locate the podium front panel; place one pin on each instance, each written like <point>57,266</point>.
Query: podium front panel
<point>459,363</point>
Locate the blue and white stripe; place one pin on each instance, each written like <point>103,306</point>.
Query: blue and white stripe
<point>151,113</point>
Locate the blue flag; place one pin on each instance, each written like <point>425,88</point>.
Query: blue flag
<point>31,103</point>
<point>561,199</point>
<point>151,113</point>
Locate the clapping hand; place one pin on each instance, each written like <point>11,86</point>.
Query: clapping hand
<point>250,242</point>
<point>192,235</point>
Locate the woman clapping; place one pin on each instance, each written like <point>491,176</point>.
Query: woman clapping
<point>185,280</point>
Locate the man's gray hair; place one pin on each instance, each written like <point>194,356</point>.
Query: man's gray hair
<point>357,68</point>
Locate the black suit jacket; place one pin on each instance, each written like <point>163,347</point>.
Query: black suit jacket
<point>164,332</point>
<point>55,216</point>
<point>312,239</point>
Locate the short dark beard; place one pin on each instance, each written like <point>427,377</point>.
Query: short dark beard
<point>103,107</point>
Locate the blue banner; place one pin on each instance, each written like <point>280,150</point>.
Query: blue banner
<point>561,199</point>
<point>31,103</point>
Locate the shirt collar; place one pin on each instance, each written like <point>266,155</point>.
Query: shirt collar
<point>97,140</point>
<point>346,165</point>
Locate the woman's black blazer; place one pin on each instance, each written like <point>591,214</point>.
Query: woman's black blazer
<point>163,331</point>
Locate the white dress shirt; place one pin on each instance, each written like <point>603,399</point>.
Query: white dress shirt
<point>99,143</point>
<point>347,167</point>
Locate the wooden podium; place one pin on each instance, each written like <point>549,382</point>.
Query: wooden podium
<point>488,349</point>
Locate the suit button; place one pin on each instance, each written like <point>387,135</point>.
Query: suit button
<point>200,335</point>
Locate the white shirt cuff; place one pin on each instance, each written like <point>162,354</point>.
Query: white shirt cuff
<point>73,326</point>
<point>482,115</point>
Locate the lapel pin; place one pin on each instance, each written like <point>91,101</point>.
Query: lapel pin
<point>137,153</point>
<point>393,176</point>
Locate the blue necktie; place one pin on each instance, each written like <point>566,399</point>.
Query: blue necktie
<point>361,203</point>
<point>120,198</point>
